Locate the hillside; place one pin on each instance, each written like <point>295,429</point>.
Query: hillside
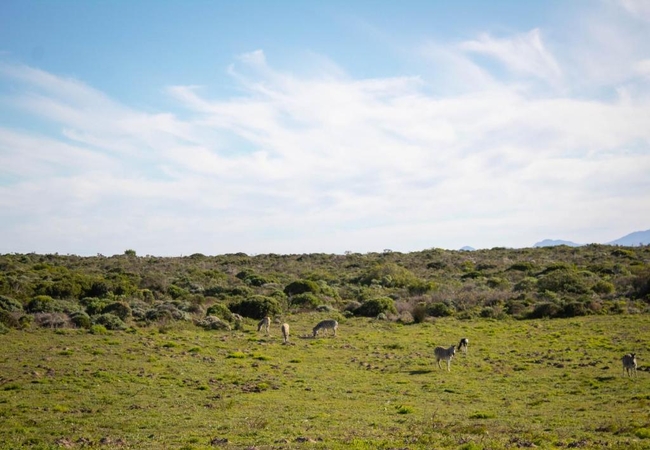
<point>125,290</point>
<point>633,239</point>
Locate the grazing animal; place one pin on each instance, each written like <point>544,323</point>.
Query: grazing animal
<point>265,323</point>
<point>329,324</point>
<point>285,332</point>
<point>629,364</point>
<point>462,345</point>
<point>445,354</point>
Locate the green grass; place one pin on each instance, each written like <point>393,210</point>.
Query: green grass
<point>548,383</point>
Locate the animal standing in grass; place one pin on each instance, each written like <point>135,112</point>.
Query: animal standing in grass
<point>462,345</point>
<point>445,354</point>
<point>629,364</point>
<point>285,332</point>
<point>264,324</point>
<point>329,324</point>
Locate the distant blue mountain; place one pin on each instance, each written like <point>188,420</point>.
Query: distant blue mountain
<point>467,248</point>
<point>633,239</point>
<point>555,242</point>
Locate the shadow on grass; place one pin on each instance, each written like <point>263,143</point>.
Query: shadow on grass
<point>419,371</point>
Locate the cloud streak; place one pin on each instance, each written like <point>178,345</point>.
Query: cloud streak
<point>330,163</point>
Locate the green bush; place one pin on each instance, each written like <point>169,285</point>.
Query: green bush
<point>603,287</point>
<point>388,275</point>
<point>219,310</point>
<point>420,313</point>
<point>9,304</point>
<point>41,304</point>
<point>98,329</point>
<point>256,307</point>
<point>376,306</point>
<point>110,321</point>
<point>523,266</point>
<point>305,300</point>
<point>177,292</point>
<point>120,309</point>
<point>566,281</point>
<point>94,305</point>
<point>546,309</point>
<point>528,284</point>
<point>301,286</point>
<point>80,319</point>
<point>10,319</point>
<point>574,309</point>
<point>440,309</point>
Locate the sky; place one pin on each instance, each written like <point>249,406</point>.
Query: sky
<point>175,127</point>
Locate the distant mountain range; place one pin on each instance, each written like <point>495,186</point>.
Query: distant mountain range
<point>629,240</point>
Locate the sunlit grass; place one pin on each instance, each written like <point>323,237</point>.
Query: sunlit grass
<point>548,383</point>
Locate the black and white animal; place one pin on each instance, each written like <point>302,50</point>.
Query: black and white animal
<point>329,324</point>
<point>445,354</point>
<point>462,345</point>
<point>264,324</point>
<point>629,364</point>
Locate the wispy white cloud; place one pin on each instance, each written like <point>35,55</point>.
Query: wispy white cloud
<point>524,54</point>
<point>326,162</point>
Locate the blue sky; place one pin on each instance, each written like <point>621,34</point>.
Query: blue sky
<point>176,127</point>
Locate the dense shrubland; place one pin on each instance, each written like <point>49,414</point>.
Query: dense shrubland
<point>124,290</point>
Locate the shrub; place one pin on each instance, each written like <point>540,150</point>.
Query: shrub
<point>325,308</point>
<point>406,317</point>
<point>352,306</point>
<point>256,307</point>
<point>440,309</point>
<point>51,320</point>
<point>421,287</point>
<point>563,281</point>
<point>376,306</point>
<point>498,283</point>
<point>9,304</point>
<point>98,329</point>
<point>528,284</point>
<point>603,287</point>
<point>80,319</point>
<point>388,275</point>
<point>305,300</point>
<point>546,309</point>
<point>301,287</point>
<point>177,292</point>
<point>120,309</point>
<point>219,310</point>
<point>94,305</point>
<point>110,321</point>
<point>10,319</point>
<point>41,304</point>
<point>213,323</point>
<point>420,312</point>
<point>523,266</point>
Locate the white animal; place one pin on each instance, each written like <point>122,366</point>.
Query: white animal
<point>329,324</point>
<point>629,364</point>
<point>285,332</point>
<point>264,324</point>
<point>462,345</point>
<point>445,354</point>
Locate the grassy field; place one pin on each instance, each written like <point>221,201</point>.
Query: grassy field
<point>539,383</point>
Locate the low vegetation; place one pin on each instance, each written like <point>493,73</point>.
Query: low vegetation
<point>71,291</point>
<point>523,384</point>
<point>148,352</point>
